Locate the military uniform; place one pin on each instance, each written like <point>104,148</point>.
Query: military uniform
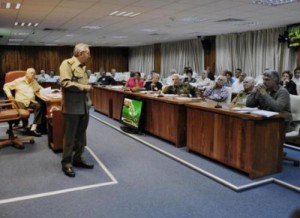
<point>75,107</point>
<point>182,89</point>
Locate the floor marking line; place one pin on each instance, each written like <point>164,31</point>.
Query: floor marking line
<point>62,191</point>
<point>204,172</point>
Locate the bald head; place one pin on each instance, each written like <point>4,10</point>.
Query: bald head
<point>175,79</point>
<point>248,83</point>
<point>30,74</point>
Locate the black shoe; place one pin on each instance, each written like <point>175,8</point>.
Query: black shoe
<point>83,164</point>
<point>34,133</point>
<point>68,171</point>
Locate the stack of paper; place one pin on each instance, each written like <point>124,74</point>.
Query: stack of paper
<point>255,110</point>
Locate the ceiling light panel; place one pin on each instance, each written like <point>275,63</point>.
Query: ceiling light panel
<point>273,2</point>
<point>124,13</point>
<point>24,24</point>
<point>9,5</point>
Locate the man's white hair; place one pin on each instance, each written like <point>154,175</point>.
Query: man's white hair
<point>80,47</point>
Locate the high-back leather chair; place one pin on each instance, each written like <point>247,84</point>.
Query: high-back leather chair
<point>11,76</point>
<point>8,113</point>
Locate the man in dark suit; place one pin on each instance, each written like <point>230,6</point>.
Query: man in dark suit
<point>75,107</point>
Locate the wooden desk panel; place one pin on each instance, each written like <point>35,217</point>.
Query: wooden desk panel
<point>167,121</point>
<point>165,117</point>
<point>251,144</point>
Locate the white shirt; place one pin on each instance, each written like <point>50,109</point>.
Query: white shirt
<point>237,86</point>
<point>297,81</point>
<point>203,82</point>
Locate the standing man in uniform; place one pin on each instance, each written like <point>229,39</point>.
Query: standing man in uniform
<point>75,106</point>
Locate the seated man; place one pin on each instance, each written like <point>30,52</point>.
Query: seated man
<point>42,77</point>
<point>181,89</point>
<point>169,78</point>
<point>217,92</point>
<point>106,80</point>
<point>153,85</point>
<point>203,81</point>
<point>238,84</point>
<point>248,85</point>
<point>25,89</point>
<point>52,77</point>
<point>270,95</point>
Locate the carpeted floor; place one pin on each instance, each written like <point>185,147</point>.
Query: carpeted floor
<point>133,179</point>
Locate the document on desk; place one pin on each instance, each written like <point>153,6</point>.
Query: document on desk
<point>50,93</point>
<point>255,110</point>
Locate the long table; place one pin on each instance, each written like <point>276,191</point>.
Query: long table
<point>247,142</point>
<point>250,143</point>
<point>164,117</point>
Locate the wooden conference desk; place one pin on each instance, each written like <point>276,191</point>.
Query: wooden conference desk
<point>249,143</point>
<point>164,117</point>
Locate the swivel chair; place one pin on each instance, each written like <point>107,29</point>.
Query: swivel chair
<point>293,137</point>
<point>9,77</point>
<point>9,113</point>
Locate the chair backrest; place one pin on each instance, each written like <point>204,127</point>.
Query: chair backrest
<point>12,75</point>
<point>295,107</point>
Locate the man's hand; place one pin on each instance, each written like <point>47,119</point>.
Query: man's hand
<point>88,88</point>
<point>261,89</point>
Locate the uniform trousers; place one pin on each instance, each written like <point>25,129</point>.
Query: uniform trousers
<point>74,138</point>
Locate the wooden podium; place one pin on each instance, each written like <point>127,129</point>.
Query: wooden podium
<point>55,131</point>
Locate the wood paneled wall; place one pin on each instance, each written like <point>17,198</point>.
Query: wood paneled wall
<point>50,58</point>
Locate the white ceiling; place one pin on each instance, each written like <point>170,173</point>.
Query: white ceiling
<point>159,21</point>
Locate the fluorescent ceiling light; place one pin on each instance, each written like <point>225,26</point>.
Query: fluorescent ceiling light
<point>16,40</point>
<point>136,14</point>
<point>149,30</point>
<point>91,27</point>
<point>121,13</point>
<point>18,5</point>
<point>119,37</point>
<point>23,24</point>
<point>21,34</point>
<point>194,19</point>
<point>113,13</point>
<point>124,14</point>
<point>273,2</point>
<point>248,23</point>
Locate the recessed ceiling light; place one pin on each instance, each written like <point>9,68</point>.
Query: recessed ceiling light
<point>24,24</point>
<point>273,2</point>
<point>119,37</point>
<point>16,40</point>
<point>194,19</point>
<point>248,23</point>
<point>21,34</point>
<point>124,14</point>
<point>9,5</point>
<point>91,27</point>
<point>149,30</point>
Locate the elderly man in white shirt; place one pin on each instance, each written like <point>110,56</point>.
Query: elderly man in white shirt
<point>203,80</point>
<point>237,86</point>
